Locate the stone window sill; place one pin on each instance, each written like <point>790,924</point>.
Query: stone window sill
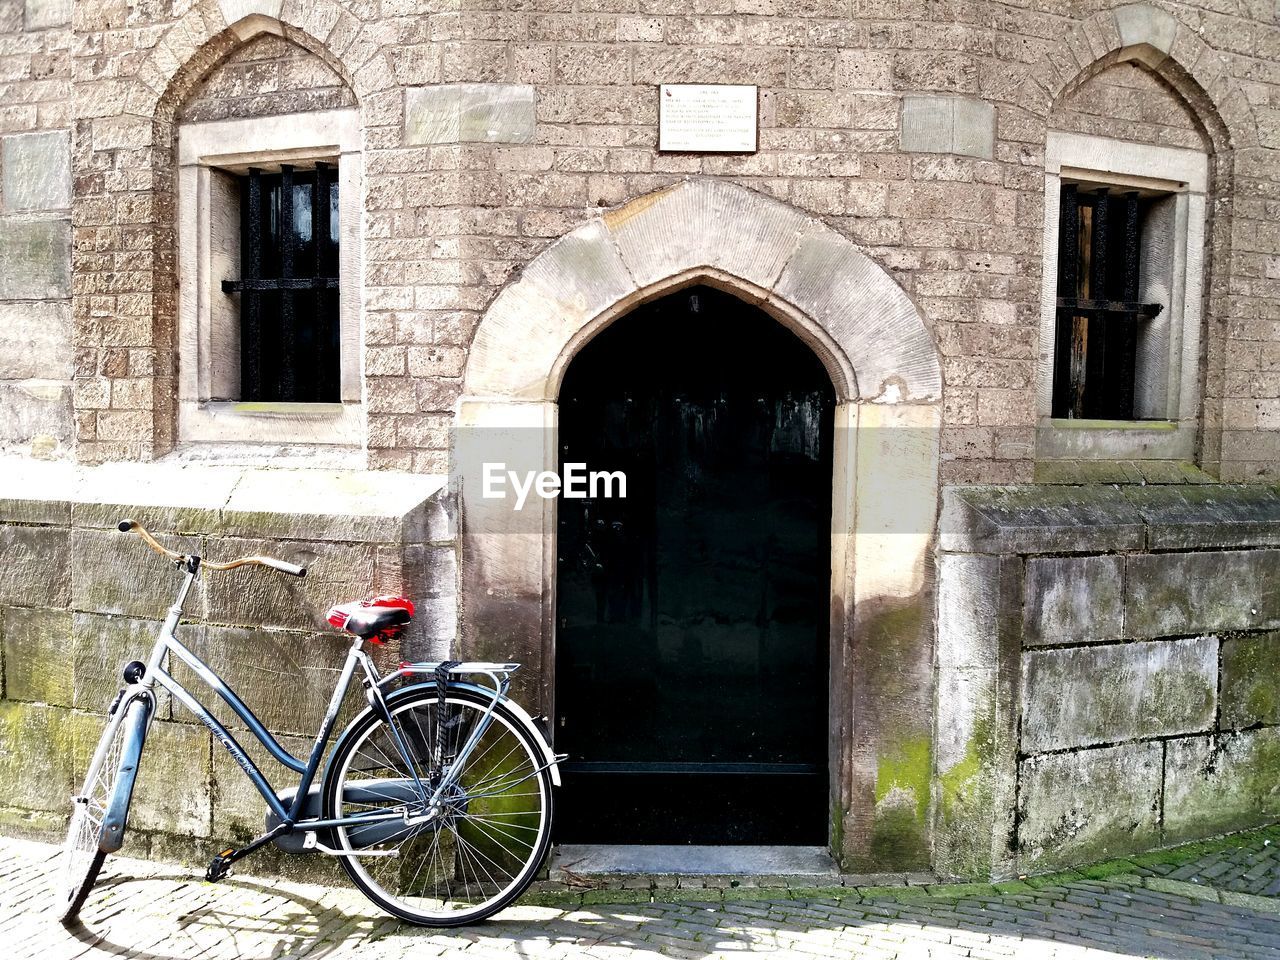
<point>1058,439</point>
<point>309,424</point>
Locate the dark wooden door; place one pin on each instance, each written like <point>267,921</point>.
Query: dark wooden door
<point>693,615</point>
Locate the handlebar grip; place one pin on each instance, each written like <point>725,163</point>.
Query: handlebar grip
<point>290,568</point>
<point>126,526</point>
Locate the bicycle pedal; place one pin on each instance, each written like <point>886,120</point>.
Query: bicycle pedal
<point>219,867</point>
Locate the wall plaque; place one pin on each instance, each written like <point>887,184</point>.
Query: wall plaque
<point>707,117</point>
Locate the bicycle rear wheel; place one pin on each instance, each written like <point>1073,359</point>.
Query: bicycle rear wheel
<point>82,853</point>
<point>483,846</point>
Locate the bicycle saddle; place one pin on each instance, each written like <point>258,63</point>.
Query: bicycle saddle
<point>379,619</point>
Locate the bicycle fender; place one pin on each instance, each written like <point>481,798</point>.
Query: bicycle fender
<point>553,765</point>
<point>520,713</point>
<point>137,723</point>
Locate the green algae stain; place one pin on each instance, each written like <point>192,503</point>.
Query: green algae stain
<point>907,768</point>
<point>899,835</point>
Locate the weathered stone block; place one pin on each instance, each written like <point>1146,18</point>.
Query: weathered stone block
<point>35,259</point>
<point>99,647</point>
<point>1070,599</point>
<point>1143,23</point>
<point>258,597</point>
<point>867,314</point>
<point>941,124</point>
<point>1090,805</point>
<point>36,640</point>
<point>892,640</point>
<point>41,14</point>
<point>37,494</point>
<point>707,223</point>
<point>37,171</point>
<point>40,747</point>
<point>1039,519</point>
<point>433,568</point>
<point>1251,680</point>
<point>1178,593</point>
<point>115,574</point>
<point>1208,515</point>
<point>37,343</point>
<point>1105,694</point>
<point>172,792</point>
<point>234,11</point>
<point>540,311</point>
<point>35,415</point>
<point>469,112</point>
<point>979,625</point>
<point>285,678</point>
<point>167,499</point>
<point>37,566</point>
<point>434,631</point>
<point>367,507</point>
<point>1216,784</point>
<point>969,609</point>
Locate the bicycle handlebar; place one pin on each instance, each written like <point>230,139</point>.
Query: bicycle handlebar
<point>132,526</point>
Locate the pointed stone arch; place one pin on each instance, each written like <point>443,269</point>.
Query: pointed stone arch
<point>869,334</point>
<point>1174,52</point>
<point>137,115</point>
<point>886,372</point>
<point>1161,43</point>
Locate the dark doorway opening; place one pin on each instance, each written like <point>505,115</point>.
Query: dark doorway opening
<point>693,616</point>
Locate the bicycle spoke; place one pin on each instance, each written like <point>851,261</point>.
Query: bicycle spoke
<point>478,844</point>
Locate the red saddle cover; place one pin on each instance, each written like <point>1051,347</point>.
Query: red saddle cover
<point>339,614</point>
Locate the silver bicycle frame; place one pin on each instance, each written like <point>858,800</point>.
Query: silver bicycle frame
<point>168,644</point>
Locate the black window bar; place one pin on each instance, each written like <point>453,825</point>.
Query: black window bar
<point>289,285</point>
<point>1098,313</point>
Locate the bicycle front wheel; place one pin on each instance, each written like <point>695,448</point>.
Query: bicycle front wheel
<point>474,854</point>
<point>82,854</point>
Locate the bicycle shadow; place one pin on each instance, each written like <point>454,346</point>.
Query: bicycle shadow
<point>270,923</point>
<point>267,923</point>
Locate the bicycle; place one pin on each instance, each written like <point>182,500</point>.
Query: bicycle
<point>436,798</point>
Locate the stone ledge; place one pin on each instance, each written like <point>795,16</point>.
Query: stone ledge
<point>355,506</point>
<point>1106,519</point>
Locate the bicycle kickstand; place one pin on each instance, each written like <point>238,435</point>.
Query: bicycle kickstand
<point>220,865</point>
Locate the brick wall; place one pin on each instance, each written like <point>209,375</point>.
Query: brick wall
<point>36,363</point>
<point>447,224</point>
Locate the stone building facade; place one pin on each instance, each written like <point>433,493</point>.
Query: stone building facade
<point>1012,681</point>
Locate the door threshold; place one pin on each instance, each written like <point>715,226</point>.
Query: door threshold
<point>594,859</point>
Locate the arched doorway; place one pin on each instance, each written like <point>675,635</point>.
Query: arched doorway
<point>887,379</point>
<point>693,615</point>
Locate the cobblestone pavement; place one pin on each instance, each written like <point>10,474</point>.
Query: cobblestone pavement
<point>162,912</point>
<point>1252,867</point>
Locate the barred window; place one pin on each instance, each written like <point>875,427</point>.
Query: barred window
<point>1101,319</point>
<point>288,285</point>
